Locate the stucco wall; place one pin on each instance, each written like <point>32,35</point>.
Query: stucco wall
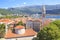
<point>29,24</point>
<point>22,38</point>
<point>25,38</point>
<point>20,31</point>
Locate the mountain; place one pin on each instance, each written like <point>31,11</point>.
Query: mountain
<point>50,9</point>
<point>26,10</point>
<point>5,11</point>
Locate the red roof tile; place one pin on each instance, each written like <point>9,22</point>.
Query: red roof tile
<point>19,27</point>
<point>6,21</point>
<point>28,32</point>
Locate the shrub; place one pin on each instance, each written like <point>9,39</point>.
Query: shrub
<point>49,32</point>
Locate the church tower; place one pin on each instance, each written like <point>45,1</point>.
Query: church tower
<point>43,11</point>
<point>43,15</point>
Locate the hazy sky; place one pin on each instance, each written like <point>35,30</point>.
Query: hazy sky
<point>18,3</point>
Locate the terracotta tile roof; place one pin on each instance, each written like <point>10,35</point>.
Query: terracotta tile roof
<point>19,27</point>
<point>24,20</point>
<point>36,20</point>
<point>6,21</point>
<point>17,19</point>
<point>46,22</point>
<point>21,19</point>
<point>30,18</point>
<point>28,32</point>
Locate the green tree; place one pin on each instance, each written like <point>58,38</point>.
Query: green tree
<point>2,30</point>
<point>49,32</point>
<point>20,23</point>
<point>57,23</point>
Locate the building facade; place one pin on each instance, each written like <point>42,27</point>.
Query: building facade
<point>34,24</point>
<point>20,34</point>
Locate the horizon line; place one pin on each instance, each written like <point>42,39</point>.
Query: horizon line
<point>26,5</point>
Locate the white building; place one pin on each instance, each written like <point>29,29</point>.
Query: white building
<point>21,34</point>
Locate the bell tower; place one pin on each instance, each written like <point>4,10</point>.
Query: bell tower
<point>43,15</point>
<point>43,11</point>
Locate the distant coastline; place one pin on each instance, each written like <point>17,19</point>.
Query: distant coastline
<point>56,16</point>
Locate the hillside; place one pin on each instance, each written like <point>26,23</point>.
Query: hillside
<point>5,11</point>
<point>50,9</point>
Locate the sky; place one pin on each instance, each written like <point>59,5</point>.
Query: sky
<point>18,3</point>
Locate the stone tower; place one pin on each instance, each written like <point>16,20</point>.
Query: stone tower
<point>43,11</point>
<point>43,15</point>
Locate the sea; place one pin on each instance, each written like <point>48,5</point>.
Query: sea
<point>53,16</point>
<point>47,16</point>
